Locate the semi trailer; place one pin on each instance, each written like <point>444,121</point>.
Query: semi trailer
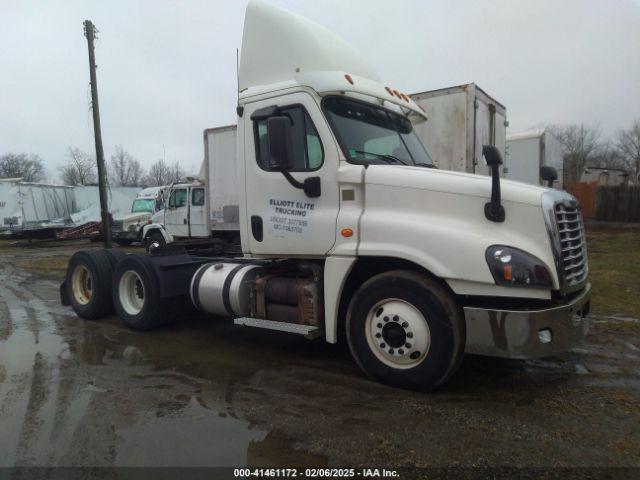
<point>34,210</point>
<point>347,232</point>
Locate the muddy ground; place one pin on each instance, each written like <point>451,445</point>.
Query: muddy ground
<point>205,392</point>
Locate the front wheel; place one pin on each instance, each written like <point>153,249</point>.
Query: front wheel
<point>405,330</point>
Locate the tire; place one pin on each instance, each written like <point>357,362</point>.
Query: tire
<point>405,330</point>
<point>153,241</point>
<point>124,242</point>
<point>88,284</point>
<point>114,255</point>
<point>136,297</point>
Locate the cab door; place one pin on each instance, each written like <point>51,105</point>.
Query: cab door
<point>198,212</point>
<point>282,219</point>
<point>176,216</point>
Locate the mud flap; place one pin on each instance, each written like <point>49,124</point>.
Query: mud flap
<point>64,297</point>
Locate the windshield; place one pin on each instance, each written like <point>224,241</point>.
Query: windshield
<point>370,134</point>
<point>143,205</point>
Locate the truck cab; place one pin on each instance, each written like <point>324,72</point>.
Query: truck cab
<point>127,229</point>
<point>184,216</point>
<point>348,232</point>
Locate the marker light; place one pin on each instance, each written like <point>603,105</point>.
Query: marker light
<point>349,79</point>
<point>389,91</point>
<point>346,232</point>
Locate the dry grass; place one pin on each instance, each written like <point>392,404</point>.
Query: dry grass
<point>614,271</point>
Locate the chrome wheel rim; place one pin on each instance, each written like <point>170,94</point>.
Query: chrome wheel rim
<point>82,284</point>
<point>397,333</point>
<point>131,292</point>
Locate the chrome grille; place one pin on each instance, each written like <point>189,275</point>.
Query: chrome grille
<point>573,244</point>
<point>118,225</point>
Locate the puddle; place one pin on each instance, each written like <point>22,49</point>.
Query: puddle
<point>155,398</point>
<point>189,436</point>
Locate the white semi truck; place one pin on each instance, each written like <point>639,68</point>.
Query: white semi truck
<point>347,232</point>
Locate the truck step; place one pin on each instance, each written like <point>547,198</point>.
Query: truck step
<point>308,331</point>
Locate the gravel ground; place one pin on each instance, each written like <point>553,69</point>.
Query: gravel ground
<point>203,392</point>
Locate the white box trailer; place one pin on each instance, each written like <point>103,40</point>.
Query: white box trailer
<point>27,207</point>
<point>528,151</point>
<point>219,171</point>
<point>460,120</point>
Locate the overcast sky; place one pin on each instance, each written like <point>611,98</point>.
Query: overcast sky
<point>167,68</point>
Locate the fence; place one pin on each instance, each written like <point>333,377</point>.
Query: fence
<point>586,193</point>
<point>612,204</point>
<point>618,204</point>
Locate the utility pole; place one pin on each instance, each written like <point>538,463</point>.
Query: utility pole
<point>89,32</point>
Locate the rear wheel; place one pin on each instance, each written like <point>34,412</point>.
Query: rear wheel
<point>136,295</point>
<point>88,284</point>
<point>114,255</point>
<point>405,330</point>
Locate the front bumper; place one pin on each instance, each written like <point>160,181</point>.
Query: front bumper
<point>517,334</point>
<point>126,235</point>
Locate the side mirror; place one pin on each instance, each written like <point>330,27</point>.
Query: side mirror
<point>548,174</point>
<point>493,210</point>
<point>280,143</point>
<point>492,155</point>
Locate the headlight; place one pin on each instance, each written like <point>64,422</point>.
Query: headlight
<point>133,227</point>
<point>512,267</point>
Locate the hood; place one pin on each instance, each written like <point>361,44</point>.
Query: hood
<point>447,181</point>
<point>132,217</point>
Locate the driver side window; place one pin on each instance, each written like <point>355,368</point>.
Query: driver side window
<point>307,147</point>
<point>178,198</point>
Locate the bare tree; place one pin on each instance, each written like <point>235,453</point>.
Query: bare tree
<point>628,143</point>
<point>80,169</point>
<point>124,170</point>
<point>176,173</point>
<point>162,174</point>
<point>29,167</point>
<point>158,175</point>
<point>581,144</point>
<point>609,156</point>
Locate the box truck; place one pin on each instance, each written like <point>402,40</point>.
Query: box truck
<point>205,207</point>
<point>461,119</point>
<point>347,231</point>
<point>529,151</point>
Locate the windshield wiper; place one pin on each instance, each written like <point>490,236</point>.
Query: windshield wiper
<point>426,165</point>
<point>389,158</point>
